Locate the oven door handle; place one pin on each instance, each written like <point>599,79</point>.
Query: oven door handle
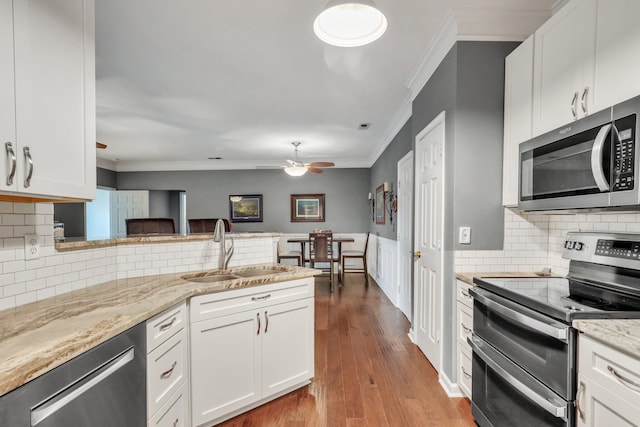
<point>541,401</point>
<point>559,333</point>
<point>596,158</point>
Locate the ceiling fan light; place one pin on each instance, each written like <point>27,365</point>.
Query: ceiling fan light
<point>350,24</point>
<point>295,170</point>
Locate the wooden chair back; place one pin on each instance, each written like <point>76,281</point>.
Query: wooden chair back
<point>321,247</point>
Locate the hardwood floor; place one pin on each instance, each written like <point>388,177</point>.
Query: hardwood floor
<point>367,371</point>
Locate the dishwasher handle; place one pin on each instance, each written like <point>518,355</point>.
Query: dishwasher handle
<point>71,392</point>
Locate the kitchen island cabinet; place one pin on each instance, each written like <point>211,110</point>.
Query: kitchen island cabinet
<point>48,102</point>
<point>465,328</point>
<point>249,346</point>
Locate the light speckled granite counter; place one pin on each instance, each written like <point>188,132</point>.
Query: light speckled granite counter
<point>37,337</point>
<point>71,245</point>
<point>622,334</point>
<point>468,277</point>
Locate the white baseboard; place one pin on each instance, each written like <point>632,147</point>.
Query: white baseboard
<point>412,335</point>
<point>449,387</point>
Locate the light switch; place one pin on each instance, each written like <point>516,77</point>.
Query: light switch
<point>464,236</point>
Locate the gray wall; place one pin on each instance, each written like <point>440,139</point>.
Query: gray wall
<point>346,208</point>
<point>106,178</point>
<point>72,215</point>
<point>385,169</point>
<point>469,86</point>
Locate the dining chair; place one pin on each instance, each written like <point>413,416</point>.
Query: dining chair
<point>356,254</point>
<point>288,254</point>
<point>207,225</point>
<point>143,226</point>
<point>321,251</point>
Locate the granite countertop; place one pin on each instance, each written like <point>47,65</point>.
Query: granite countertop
<point>468,277</point>
<point>37,337</point>
<point>74,245</point>
<point>621,334</point>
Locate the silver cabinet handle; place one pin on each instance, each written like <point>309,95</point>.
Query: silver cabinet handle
<point>258,316</point>
<point>542,401</point>
<point>68,394</point>
<point>266,326</point>
<point>464,371</point>
<point>12,155</point>
<point>264,297</point>
<point>583,100</point>
<point>175,423</point>
<point>167,325</point>
<point>596,158</point>
<point>466,330</point>
<point>168,372</point>
<point>27,156</point>
<point>466,294</point>
<point>574,109</point>
<point>627,382</point>
<point>559,332</point>
<point>581,390</point>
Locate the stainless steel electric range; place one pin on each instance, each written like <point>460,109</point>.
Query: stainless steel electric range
<point>524,348</point>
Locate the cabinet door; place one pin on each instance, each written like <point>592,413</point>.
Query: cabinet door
<point>287,345</point>
<point>563,65</point>
<point>602,408</point>
<point>55,96</point>
<point>225,365</point>
<point>7,99</point>
<point>518,100</point>
<point>617,52</point>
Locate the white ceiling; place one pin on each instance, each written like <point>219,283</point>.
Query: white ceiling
<point>181,81</point>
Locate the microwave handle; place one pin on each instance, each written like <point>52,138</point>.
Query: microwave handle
<point>596,158</point>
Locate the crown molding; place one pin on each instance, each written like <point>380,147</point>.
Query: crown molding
<point>144,166</point>
<point>106,164</point>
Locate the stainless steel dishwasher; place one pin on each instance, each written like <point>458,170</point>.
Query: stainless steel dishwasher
<point>103,387</point>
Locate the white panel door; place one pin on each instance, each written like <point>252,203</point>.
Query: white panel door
<point>405,233</point>
<point>7,95</point>
<point>617,52</point>
<point>429,173</point>
<point>127,204</point>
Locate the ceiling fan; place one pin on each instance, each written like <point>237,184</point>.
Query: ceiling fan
<point>298,168</point>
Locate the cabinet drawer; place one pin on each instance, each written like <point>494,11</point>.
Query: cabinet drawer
<point>173,413</point>
<point>464,370</point>
<point>614,370</point>
<point>465,323</point>
<point>463,295</point>
<point>251,298</point>
<point>166,371</point>
<point>165,324</point>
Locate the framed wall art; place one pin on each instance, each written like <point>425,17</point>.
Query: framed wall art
<point>245,208</point>
<point>379,203</point>
<point>307,208</point>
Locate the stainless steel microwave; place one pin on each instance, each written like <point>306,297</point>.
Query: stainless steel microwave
<point>590,163</point>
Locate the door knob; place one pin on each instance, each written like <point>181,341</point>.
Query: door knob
<point>417,254</point>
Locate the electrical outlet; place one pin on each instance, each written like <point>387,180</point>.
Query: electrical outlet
<point>464,236</point>
<point>31,246</point>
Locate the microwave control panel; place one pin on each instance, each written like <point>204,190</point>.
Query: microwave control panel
<point>624,150</point>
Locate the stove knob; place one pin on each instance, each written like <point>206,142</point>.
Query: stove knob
<point>578,246</point>
<point>568,244</point>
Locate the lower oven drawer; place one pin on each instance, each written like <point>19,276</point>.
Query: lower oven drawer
<point>544,347</point>
<point>503,394</point>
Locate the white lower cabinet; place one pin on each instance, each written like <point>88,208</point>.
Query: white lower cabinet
<point>249,346</point>
<point>464,310</point>
<point>608,386</point>
<point>168,368</point>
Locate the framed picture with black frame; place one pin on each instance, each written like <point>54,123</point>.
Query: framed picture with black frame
<point>245,208</point>
<point>307,208</point>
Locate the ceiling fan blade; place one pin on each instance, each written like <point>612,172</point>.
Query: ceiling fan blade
<point>320,164</point>
<point>314,169</point>
<point>100,145</point>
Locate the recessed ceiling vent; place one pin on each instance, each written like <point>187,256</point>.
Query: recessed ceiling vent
<point>215,158</point>
<point>364,126</point>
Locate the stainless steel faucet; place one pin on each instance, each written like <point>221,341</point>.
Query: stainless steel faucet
<point>219,235</point>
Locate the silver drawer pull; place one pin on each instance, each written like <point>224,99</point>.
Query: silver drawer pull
<point>629,383</point>
<point>12,155</point>
<point>466,330</point>
<point>167,325</point>
<point>264,297</point>
<point>581,390</point>
<point>266,326</point>
<point>466,374</point>
<point>175,423</point>
<point>168,372</point>
<point>466,295</point>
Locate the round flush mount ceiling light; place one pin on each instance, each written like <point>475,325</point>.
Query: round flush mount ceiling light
<point>350,23</point>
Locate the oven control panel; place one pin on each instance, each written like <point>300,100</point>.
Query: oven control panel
<point>618,248</point>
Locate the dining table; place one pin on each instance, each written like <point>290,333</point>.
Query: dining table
<point>336,239</point>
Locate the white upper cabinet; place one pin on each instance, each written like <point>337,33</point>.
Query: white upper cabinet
<point>563,74</point>
<point>52,51</point>
<point>617,52</point>
<point>518,94</point>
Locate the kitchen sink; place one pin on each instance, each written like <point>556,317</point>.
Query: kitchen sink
<point>252,272</point>
<point>211,278</point>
